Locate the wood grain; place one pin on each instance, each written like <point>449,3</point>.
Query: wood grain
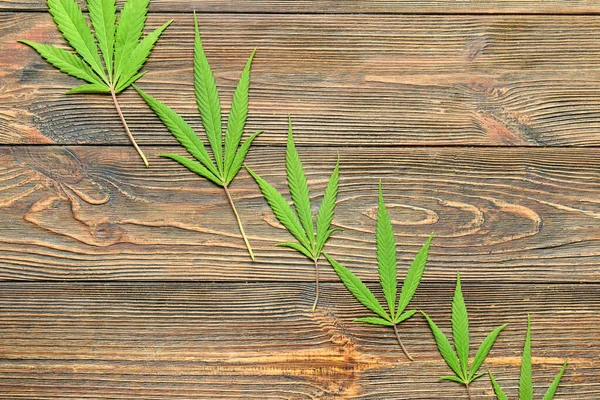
<point>509,214</point>
<point>354,7</point>
<point>259,341</point>
<point>399,89</point>
<point>345,79</point>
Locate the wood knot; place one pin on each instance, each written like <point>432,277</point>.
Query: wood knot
<point>475,47</point>
<point>485,85</point>
<point>497,132</point>
<point>61,166</point>
<point>342,340</point>
<point>405,214</point>
<point>108,233</point>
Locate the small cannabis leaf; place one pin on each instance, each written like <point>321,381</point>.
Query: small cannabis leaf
<point>525,381</point>
<point>386,259</point>
<point>300,223</point>
<point>111,62</point>
<point>226,163</point>
<point>459,361</point>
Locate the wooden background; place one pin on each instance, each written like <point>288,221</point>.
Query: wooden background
<point>481,117</point>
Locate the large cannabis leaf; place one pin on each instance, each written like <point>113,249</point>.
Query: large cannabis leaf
<point>525,381</point>
<point>226,162</point>
<point>300,222</point>
<point>111,62</point>
<point>459,361</point>
<point>386,259</point>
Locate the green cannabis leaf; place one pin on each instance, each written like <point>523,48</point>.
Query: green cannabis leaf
<point>526,381</point>
<point>226,163</point>
<point>110,63</point>
<point>459,361</point>
<point>386,259</point>
<point>300,223</point>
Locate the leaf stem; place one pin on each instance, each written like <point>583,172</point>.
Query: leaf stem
<point>239,221</point>
<point>118,107</point>
<point>314,307</point>
<point>402,345</point>
<point>468,391</point>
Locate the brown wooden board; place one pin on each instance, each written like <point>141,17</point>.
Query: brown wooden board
<point>259,341</point>
<point>345,79</point>
<point>499,214</point>
<point>481,118</point>
<point>354,6</point>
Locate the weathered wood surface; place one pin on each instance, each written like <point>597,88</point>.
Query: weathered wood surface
<point>259,341</point>
<point>90,212</point>
<point>354,6</point>
<point>399,94</point>
<point>345,79</point>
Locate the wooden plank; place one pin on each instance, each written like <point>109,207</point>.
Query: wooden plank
<point>259,341</point>
<point>510,214</point>
<point>354,7</point>
<point>345,79</point>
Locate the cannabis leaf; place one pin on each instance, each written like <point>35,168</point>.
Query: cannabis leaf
<point>459,361</point>
<point>300,222</point>
<point>525,381</point>
<point>226,163</point>
<point>386,259</point>
<point>111,62</point>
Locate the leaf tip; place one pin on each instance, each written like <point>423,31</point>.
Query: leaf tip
<point>250,171</point>
<point>166,24</point>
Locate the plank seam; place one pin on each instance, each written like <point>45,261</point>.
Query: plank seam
<point>449,282</point>
<point>350,146</point>
<point>329,13</point>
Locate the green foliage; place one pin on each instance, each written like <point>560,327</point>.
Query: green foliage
<point>220,169</point>
<point>525,379</point>
<point>299,220</point>
<point>115,56</point>
<point>66,62</point>
<point>110,63</point>
<point>109,59</point>
<point>387,267</point>
<point>225,162</point>
<point>458,360</point>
